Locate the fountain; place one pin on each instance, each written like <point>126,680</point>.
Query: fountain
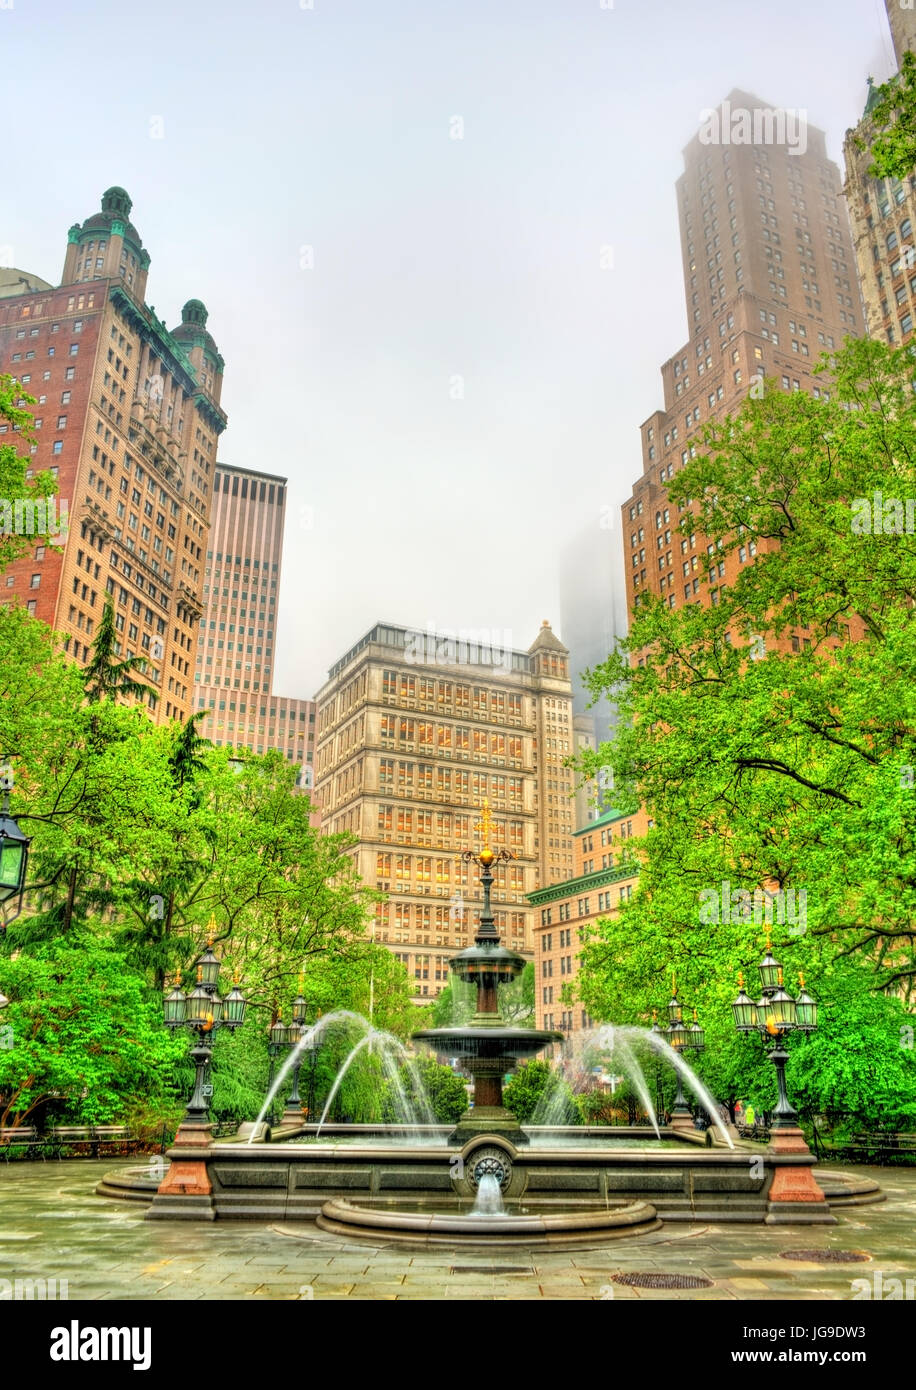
<point>488,1178</point>
<point>488,1047</point>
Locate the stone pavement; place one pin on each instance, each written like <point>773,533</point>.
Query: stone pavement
<point>53,1226</point>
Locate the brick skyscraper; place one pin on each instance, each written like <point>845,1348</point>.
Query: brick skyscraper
<point>128,418</point>
<point>770,283</point>
<point>238,630</point>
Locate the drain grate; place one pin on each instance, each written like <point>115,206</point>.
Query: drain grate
<point>491,1269</point>
<point>647,1280</point>
<point>829,1257</point>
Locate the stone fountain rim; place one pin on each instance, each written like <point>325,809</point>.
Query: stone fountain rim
<point>339,1213</point>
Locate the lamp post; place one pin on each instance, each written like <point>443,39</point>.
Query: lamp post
<point>775,1014</point>
<point>292,1115</point>
<point>14,853</point>
<point>312,1050</point>
<point>203,1012</point>
<point>682,1037</point>
<point>659,1031</point>
<point>186,1191</point>
<point>793,1192</point>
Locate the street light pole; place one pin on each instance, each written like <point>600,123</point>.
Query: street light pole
<point>776,1013</point>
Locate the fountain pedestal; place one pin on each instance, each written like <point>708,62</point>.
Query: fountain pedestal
<point>186,1192</point>
<point>794,1194</point>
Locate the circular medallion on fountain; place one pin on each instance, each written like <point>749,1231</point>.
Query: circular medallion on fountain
<point>488,1161</point>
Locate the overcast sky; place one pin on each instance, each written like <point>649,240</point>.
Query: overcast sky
<point>417,328</point>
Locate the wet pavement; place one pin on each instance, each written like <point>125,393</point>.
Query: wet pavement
<point>53,1226</point>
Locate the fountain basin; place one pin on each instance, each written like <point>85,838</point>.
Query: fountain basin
<point>289,1181</point>
<point>531,1230</point>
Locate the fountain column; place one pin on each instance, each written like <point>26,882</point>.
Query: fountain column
<point>488,1047</point>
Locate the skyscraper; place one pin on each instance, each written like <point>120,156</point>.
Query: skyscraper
<point>238,631</point>
<point>770,283</point>
<point>127,419</point>
<point>593,614</point>
<point>883,214</point>
<point>415,731</point>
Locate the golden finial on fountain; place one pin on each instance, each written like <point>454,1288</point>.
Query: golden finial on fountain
<point>487,856</point>
<point>485,826</point>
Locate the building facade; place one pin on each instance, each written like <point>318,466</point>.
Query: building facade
<point>770,283</point>
<point>415,732</point>
<point>233,681</point>
<point>127,419</point>
<point>883,215</point>
<point>605,876</point>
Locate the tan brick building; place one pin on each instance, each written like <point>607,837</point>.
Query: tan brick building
<point>883,216</point>
<point>127,418</point>
<point>415,731</point>
<point>605,875</point>
<point>233,680</point>
<point>770,283</point>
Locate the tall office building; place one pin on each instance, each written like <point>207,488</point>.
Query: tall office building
<point>770,283</point>
<point>593,614</point>
<point>883,214</point>
<point>415,731</point>
<point>238,630</point>
<point>127,419</point>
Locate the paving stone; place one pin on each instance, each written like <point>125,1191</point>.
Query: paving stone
<point>108,1253</point>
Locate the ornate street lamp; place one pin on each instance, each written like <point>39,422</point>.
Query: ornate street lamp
<point>683,1037</point>
<point>203,1012</point>
<point>14,852</point>
<point>776,1014</point>
<point>296,1029</point>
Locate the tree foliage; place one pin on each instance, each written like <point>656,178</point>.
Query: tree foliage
<point>771,734</point>
<point>893,114</point>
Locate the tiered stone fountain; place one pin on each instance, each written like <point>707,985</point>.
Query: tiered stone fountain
<point>487,1046</point>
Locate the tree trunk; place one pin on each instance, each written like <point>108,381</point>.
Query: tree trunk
<point>71,894</point>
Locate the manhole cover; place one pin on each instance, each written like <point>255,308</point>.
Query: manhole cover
<point>828,1257</point>
<point>491,1269</point>
<point>662,1281</point>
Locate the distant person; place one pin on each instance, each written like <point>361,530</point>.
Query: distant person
<point>749,1115</point>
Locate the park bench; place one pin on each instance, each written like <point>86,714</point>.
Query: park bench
<point>880,1147</point>
<point>758,1130</point>
<point>89,1139</point>
<point>24,1140</point>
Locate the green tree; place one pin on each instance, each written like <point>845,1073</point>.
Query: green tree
<point>85,1036</point>
<point>105,675</point>
<point>444,1088</point>
<point>536,1092</point>
<point>771,736</point>
<point>893,114</point>
<point>15,486</point>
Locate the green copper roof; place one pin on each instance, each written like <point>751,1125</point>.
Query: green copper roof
<point>603,819</point>
<point>585,883</point>
<point>872,99</point>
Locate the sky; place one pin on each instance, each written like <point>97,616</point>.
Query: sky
<point>439,247</point>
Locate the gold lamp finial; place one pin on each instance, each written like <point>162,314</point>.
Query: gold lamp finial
<point>211,930</point>
<point>741,979</point>
<point>768,936</point>
<point>801,980</point>
<point>485,826</point>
